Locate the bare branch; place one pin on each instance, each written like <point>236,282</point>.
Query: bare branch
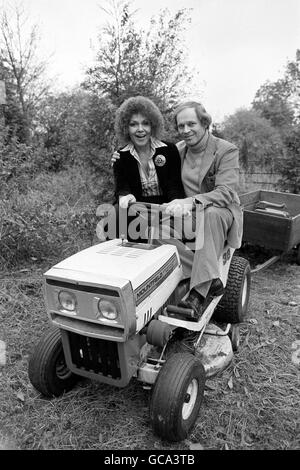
<point>19,55</point>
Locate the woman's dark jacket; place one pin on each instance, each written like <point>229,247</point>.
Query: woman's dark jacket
<point>127,176</point>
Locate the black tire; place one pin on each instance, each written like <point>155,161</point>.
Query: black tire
<point>298,254</point>
<point>232,308</point>
<point>234,336</point>
<point>177,396</point>
<point>47,368</point>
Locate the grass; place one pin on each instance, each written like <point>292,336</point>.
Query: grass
<point>252,405</point>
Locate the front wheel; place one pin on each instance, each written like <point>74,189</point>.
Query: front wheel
<point>177,396</point>
<point>47,369</point>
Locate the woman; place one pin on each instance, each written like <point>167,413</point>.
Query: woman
<point>148,169</point>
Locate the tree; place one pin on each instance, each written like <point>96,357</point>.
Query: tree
<point>272,101</point>
<point>60,128</point>
<point>289,167</point>
<point>75,127</point>
<point>131,61</point>
<point>279,101</point>
<point>165,57</point>
<point>259,142</point>
<point>21,69</point>
<point>12,114</point>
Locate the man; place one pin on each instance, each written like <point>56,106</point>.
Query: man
<point>210,176</point>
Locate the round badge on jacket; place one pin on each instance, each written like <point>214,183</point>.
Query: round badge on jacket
<point>160,160</point>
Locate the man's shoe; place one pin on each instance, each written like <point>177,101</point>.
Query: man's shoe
<point>216,288</point>
<point>195,302</point>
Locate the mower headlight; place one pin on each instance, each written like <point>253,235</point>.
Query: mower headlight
<point>67,300</point>
<point>107,309</point>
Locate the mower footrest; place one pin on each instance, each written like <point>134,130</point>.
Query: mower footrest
<point>180,311</point>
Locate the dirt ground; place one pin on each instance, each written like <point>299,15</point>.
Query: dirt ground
<point>252,405</point>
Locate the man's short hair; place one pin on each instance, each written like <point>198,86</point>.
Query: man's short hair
<point>203,116</point>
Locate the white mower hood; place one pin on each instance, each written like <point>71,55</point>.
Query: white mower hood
<point>113,264</point>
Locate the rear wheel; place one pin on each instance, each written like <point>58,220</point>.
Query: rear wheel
<point>48,371</point>
<point>177,396</point>
<point>232,308</point>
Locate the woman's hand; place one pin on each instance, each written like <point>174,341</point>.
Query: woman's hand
<point>114,158</point>
<point>125,200</point>
<point>180,207</point>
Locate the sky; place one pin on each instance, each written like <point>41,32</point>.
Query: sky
<point>236,45</point>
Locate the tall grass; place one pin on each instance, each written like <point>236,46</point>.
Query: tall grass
<point>252,405</point>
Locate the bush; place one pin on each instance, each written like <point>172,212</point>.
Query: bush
<point>259,143</point>
<point>289,167</point>
<point>75,128</point>
<point>56,220</point>
<point>17,163</point>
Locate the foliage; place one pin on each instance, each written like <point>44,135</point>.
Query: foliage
<point>271,101</point>
<point>75,128</point>
<point>164,57</point>
<point>17,163</point>
<point>99,133</point>
<point>289,167</point>
<point>61,129</point>
<point>132,62</point>
<point>56,220</point>
<point>279,101</point>
<point>259,142</point>
<point>11,112</point>
<point>22,70</point>
<point>119,44</point>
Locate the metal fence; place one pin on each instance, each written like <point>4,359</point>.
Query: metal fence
<point>251,181</point>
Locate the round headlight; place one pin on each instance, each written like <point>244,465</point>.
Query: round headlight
<point>67,300</point>
<point>107,309</point>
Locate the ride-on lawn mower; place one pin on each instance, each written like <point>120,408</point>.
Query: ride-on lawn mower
<point>114,315</point>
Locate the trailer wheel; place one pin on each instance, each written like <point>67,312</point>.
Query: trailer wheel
<point>177,396</point>
<point>234,336</point>
<point>47,368</point>
<point>298,254</point>
<point>232,308</point>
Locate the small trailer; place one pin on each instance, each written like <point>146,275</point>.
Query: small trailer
<point>272,220</point>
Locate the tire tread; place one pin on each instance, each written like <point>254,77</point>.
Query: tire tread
<point>168,386</point>
<point>40,362</point>
<point>228,310</point>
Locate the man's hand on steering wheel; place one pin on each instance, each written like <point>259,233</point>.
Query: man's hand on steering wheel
<point>179,207</point>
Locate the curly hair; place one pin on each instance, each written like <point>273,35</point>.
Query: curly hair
<point>203,116</point>
<point>138,105</point>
